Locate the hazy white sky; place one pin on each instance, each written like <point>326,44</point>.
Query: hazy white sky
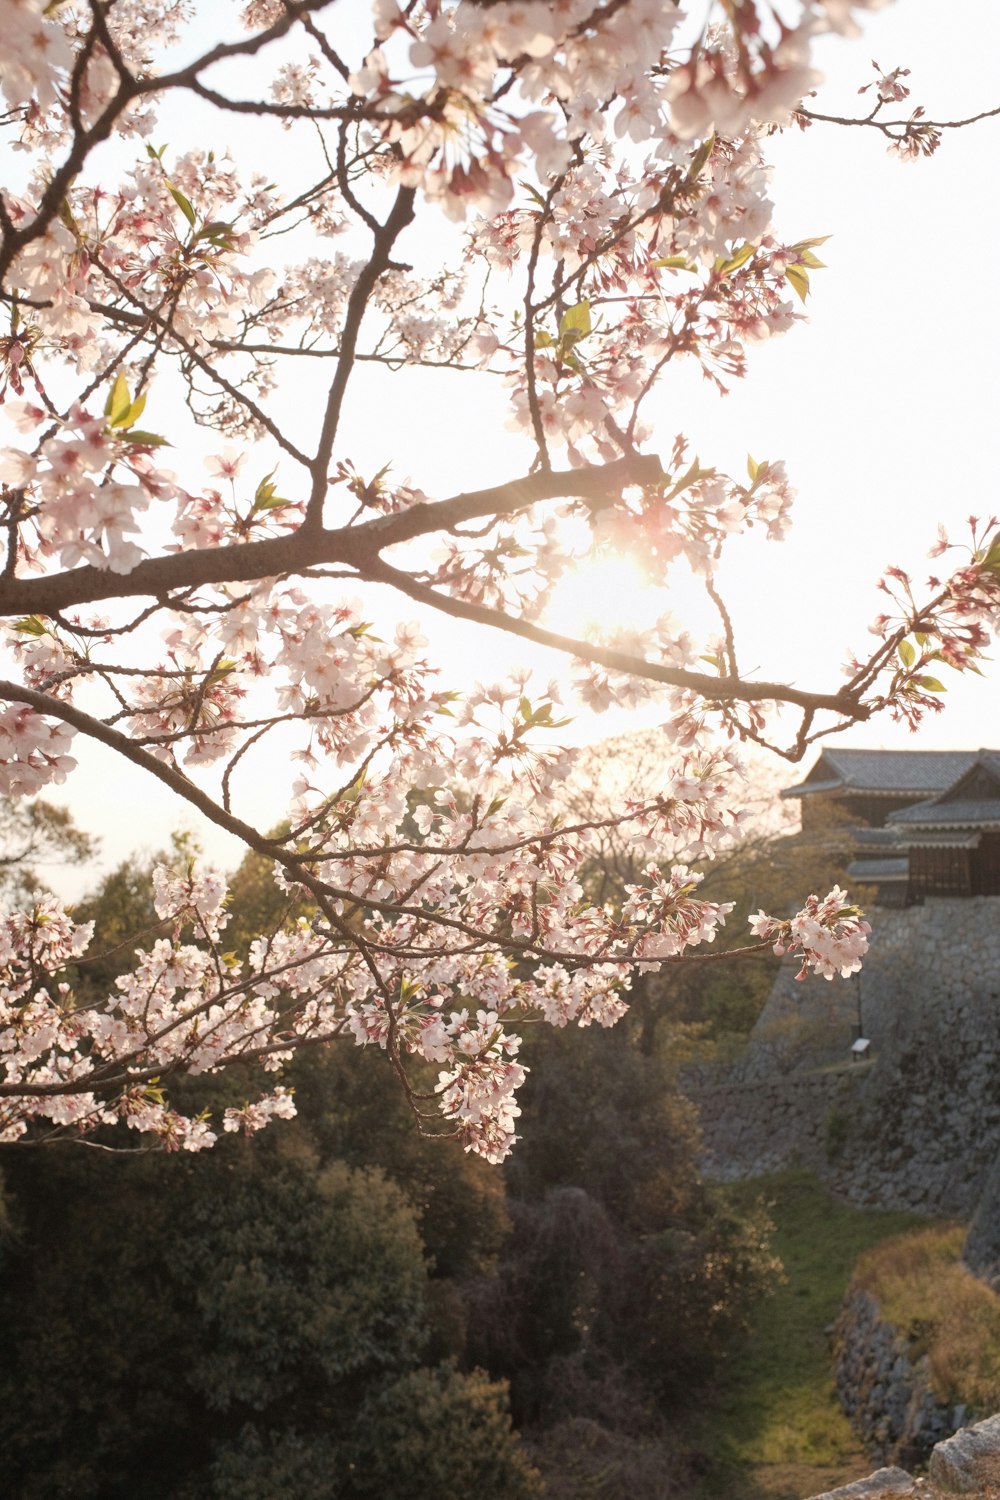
<point>883,405</point>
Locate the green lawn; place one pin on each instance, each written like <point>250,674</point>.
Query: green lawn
<point>774,1428</point>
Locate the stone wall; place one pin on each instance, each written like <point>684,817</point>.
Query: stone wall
<point>936,964</point>
<point>887,1397</point>
<point>917,1126</point>
<point>966,1464</point>
<point>768,1123</point>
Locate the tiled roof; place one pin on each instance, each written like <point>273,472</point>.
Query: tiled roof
<point>889,771</point>
<point>879,869</point>
<point>977,803</point>
<point>941,814</point>
<point>874,837</point>
<point>942,838</point>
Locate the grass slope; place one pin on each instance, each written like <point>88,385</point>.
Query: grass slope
<point>774,1429</point>
<point>922,1286</point>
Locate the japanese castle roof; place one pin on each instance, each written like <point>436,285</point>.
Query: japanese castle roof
<point>972,800</point>
<point>961,788</point>
<point>891,773</point>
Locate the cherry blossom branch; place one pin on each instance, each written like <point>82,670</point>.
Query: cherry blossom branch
<point>196,357</point>
<point>280,556</point>
<point>721,688</point>
<point>887,127</point>
<point>13,239</point>
<point>400,216</point>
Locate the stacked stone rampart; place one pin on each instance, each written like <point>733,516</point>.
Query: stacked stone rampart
<point>765,1124</point>
<point>916,1126</point>
<point>966,1464</point>
<point>886,1394</point>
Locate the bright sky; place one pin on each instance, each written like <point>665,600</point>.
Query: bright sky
<point>883,406</point>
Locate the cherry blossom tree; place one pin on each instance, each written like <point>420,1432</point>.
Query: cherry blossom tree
<point>595,178</point>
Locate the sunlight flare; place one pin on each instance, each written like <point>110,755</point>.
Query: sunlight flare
<point>602,594</point>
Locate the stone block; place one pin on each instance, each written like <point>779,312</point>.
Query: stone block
<point>969,1462</point>
<point>885,1484</point>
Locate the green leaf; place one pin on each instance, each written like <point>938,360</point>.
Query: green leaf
<point>146,439</point>
<point>576,320</point>
<point>739,258</point>
<point>524,709</point>
<point>992,557</point>
<point>907,655</point>
<point>66,215</point>
<point>754,469</point>
<point>799,280</point>
<point>713,661</point>
<point>119,402</point>
<point>673,262</point>
<point>693,474</point>
<point>700,157</point>
<point>534,193</point>
<point>543,716</point>
<point>156,1094</point>
<point>32,625</point>
<point>221,669</point>
<point>265,490</point>
<point>182,203</point>
<point>930,684</point>
<point>135,411</point>
<point>214,227</point>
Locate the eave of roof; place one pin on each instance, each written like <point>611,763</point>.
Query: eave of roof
<point>875,837</point>
<point>934,838</point>
<point>985,814</point>
<point>880,870</point>
<point>847,789</point>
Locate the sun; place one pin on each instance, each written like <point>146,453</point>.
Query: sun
<point>602,594</point>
